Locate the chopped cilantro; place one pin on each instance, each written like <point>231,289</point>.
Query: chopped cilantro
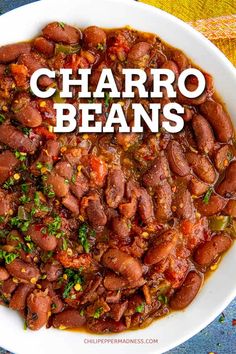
<point>61,24</point>
<point>140,308</point>
<point>98,312</point>
<point>9,183</point>
<point>20,155</point>
<point>8,256</point>
<point>100,46</point>
<point>108,99</point>
<point>24,199</point>
<point>162,298</point>
<point>207,196</point>
<point>73,278</point>
<point>83,232</point>
<point>2,118</point>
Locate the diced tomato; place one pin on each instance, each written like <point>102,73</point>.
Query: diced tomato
<point>98,170</point>
<point>45,133</point>
<point>186,227</point>
<point>20,74</point>
<point>75,62</point>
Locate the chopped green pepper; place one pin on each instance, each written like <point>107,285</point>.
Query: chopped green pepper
<point>218,223</point>
<point>67,49</point>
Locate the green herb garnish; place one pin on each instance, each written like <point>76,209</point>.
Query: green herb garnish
<point>98,312</point>
<point>207,196</point>
<point>140,308</point>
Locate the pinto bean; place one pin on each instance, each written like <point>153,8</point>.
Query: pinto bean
<point>158,171</point>
<point>56,302</point>
<point>138,55</point>
<point>162,247</point>
<point>163,201</point>
<point>106,326</point>
<point>80,186</point>
<point>176,159</point>
<point>121,227</point>
<point>122,263</point>
<point>93,36</point>
<point>95,211</point>
<point>33,62</point>
<point>64,169</point>
<point>69,318</point>
<point>212,207</point>
<point>227,187</point>
<point>183,204</point>
<point>15,139</point>
<point>5,205</point>
<point>118,310</point>
<point>115,187</point>
<point>191,101</point>
<point>187,292</point>
<point>71,203</point>
<point>145,206</point>
<point>4,275</point>
<point>11,52</point>
<point>47,156</point>
<point>230,208</point>
<point>53,270</point>
<point>8,163</point>
<point>58,32</point>
<point>171,65</point>
<point>222,157</point>
<point>58,184</point>
<point>219,120</point>
<point>22,270</point>
<point>44,46</point>
<point>8,287</point>
<point>38,309</point>
<point>24,112</point>
<point>45,241</point>
<point>180,59</point>
<point>202,167</point>
<point>197,187</point>
<point>204,134</point>
<point>208,251</point>
<point>18,300</point>
<point>114,282</point>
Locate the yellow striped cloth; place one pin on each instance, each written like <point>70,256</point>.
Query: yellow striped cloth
<point>216,19</point>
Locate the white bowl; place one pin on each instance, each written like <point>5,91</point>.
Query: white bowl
<point>25,23</point>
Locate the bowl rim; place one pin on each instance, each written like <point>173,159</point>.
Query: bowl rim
<point>224,62</point>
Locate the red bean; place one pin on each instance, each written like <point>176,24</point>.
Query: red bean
<point>204,134</point>
<point>227,188</point>
<point>34,62</point>
<point>197,187</point>
<point>93,36</point>
<point>207,252</point>
<point>56,302</point>
<point>71,203</point>
<point>212,207</point>
<point>176,158</point>
<point>22,270</point>
<point>180,59</point>
<point>8,162</point>
<point>69,318</point>
<point>8,287</point>
<point>219,120</point>
<point>5,204</point>
<point>58,185</point>
<point>4,275</point>
<point>183,204</point>
<point>15,139</point>
<point>169,64</point>
<point>80,186</point>
<point>145,206</point>
<point>106,326</point>
<point>64,169</point>
<point>53,270</point>
<point>122,263</point>
<point>202,167</point>
<point>95,211</point>
<point>162,247</point>
<point>38,309</point>
<point>230,208</point>
<point>114,282</point>
<point>18,300</point>
<point>115,187</point>
<point>121,227</point>
<point>44,46</point>
<point>187,292</point>
<point>25,113</point>
<point>222,157</point>
<point>158,172</point>
<point>163,201</point>
<point>139,55</point>
<point>60,32</point>
<point>11,52</point>
<point>45,241</point>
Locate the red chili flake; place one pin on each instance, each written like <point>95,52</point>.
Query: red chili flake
<point>234,322</point>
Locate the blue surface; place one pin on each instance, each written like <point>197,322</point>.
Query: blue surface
<point>220,336</point>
